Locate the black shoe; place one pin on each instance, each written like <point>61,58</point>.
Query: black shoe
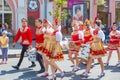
<point>33,65</point>
<point>16,67</point>
<point>41,71</point>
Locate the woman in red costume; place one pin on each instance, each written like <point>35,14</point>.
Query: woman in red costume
<point>77,39</point>
<point>43,49</point>
<point>113,43</point>
<point>87,34</point>
<point>97,51</point>
<point>54,50</point>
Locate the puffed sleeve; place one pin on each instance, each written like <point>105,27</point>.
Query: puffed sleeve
<point>43,30</point>
<point>59,28</point>
<point>81,35</point>
<point>51,30</point>
<point>101,35</point>
<point>58,36</point>
<point>91,30</point>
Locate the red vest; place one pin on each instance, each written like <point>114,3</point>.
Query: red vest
<point>39,36</point>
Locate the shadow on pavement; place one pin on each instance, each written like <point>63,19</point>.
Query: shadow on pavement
<point>74,76</point>
<point>110,67</point>
<point>117,69</point>
<point>30,75</point>
<point>3,72</point>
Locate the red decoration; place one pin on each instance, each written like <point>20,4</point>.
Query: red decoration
<point>45,21</point>
<point>56,21</point>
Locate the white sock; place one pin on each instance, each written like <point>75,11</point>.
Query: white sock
<point>85,73</point>
<point>46,72</point>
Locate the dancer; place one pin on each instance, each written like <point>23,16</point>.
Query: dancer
<point>119,51</point>
<point>48,30</point>
<point>54,51</point>
<point>25,33</point>
<point>113,44</point>
<point>77,40</point>
<point>39,42</point>
<point>87,38</point>
<point>97,51</point>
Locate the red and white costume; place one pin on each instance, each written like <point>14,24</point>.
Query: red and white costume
<point>81,27</point>
<point>77,40</point>
<point>39,37</point>
<point>97,48</point>
<point>88,35</point>
<point>53,48</point>
<point>25,34</point>
<point>113,43</point>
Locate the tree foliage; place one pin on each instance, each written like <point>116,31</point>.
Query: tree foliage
<point>58,13</point>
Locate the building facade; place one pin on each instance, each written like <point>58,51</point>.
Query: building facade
<point>12,11</point>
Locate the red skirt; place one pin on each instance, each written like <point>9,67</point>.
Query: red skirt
<point>113,45</point>
<point>97,50</point>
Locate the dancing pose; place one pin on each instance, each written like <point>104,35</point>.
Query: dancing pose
<point>43,49</point>
<point>39,42</point>
<point>54,51</point>
<point>113,44</point>
<point>77,40</point>
<point>88,38</point>
<point>97,51</point>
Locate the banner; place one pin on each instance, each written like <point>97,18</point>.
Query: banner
<point>33,12</point>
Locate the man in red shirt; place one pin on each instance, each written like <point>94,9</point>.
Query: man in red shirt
<point>25,33</point>
<point>39,42</point>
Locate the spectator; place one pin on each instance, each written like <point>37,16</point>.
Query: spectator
<point>118,26</point>
<point>4,47</point>
<point>3,28</point>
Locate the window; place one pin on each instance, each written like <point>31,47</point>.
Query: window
<point>117,11</point>
<point>103,7</point>
<point>0,5</point>
<point>5,13</point>
<point>6,6</point>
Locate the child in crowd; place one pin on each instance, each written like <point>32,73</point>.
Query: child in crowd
<point>4,47</point>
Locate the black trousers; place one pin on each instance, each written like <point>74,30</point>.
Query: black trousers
<point>40,60</point>
<point>24,48</point>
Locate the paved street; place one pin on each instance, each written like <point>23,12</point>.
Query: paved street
<point>25,73</point>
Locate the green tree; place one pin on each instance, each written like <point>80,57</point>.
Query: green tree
<point>58,13</point>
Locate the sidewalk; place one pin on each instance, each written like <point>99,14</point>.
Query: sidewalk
<point>12,53</point>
